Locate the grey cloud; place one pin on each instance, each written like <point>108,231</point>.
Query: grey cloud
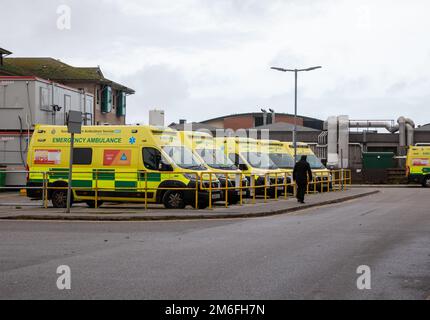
<point>102,33</point>
<point>397,87</point>
<point>156,86</point>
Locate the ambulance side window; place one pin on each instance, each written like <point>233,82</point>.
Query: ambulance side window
<point>238,161</point>
<point>235,158</point>
<point>151,158</point>
<point>82,156</point>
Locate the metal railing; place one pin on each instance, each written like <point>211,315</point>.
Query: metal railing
<point>276,185</point>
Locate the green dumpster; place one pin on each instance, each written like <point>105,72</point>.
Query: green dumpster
<point>2,177</point>
<point>378,160</point>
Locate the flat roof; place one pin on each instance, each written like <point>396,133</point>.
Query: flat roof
<point>33,78</point>
<point>425,127</point>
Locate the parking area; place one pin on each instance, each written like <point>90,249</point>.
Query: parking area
<point>15,206</point>
<point>310,254</point>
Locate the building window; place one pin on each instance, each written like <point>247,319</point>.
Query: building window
<point>67,103</point>
<point>258,121</point>
<point>121,104</point>
<point>107,99</point>
<point>82,156</point>
<point>97,96</point>
<point>44,99</point>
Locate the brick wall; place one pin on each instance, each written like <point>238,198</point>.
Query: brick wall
<point>99,117</point>
<point>288,119</point>
<point>239,122</point>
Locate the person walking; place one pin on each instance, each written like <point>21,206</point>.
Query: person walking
<point>302,171</point>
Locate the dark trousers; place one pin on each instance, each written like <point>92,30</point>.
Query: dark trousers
<point>301,190</point>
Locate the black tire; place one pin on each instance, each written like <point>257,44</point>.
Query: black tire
<point>202,204</point>
<point>59,198</point>
<point>174,200</point>
<point>234,200</point>
<point>92,203</point>
<point>271,193</point>
<point>426,182</point>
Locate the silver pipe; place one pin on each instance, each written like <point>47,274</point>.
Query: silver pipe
<point>374,124</point>
<point>402,132</point>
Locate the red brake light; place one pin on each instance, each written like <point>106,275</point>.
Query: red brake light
<point>27,169</point>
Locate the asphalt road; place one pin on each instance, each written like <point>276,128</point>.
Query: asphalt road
<point>313,254</point>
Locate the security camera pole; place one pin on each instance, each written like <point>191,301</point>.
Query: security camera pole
<point>295,101</point>
<point>74,124</point>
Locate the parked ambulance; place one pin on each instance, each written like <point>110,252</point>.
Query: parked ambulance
<point>247,155</point>
<point>117,162</point>
<point>280,157</point>
<point>418,165</point>
<point>204,145</point>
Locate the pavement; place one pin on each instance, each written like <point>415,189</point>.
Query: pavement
<point>13,206</point>
<point>411,185</point>
<point>308,254</point>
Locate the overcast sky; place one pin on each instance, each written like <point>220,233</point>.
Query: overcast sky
<point>198,59</point>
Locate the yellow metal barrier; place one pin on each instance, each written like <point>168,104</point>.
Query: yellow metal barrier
<point>271,184</point>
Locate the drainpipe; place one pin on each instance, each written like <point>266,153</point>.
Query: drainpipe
<point>85,106</point>
<point>54,120</point>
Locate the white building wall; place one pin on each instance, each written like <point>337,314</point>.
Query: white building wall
<point>32,101</point>
<point>25,103</point>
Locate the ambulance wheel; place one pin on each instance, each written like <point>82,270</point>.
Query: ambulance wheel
<point>426,182</point>
<point>234,200</point>
<point>92,204</point>
<point>202,204</point>
<point>271,193</point>
<point>59,199</point>
<point>173,200</point>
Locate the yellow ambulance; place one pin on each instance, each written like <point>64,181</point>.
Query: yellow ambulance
<point>320,172</point>
<point>117,164</point>
<point>248,156</point>
<point>280,156</point>
<point>418,165</point>
<point>204,145</point>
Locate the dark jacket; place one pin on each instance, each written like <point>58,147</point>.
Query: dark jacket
<point>302,171</point>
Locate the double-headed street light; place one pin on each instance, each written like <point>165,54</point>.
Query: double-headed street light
<point>295,101</point>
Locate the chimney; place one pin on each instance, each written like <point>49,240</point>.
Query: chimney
<point>273,115</point>
<point>182,121</point>
<point>3,52</point>
<point>264,116</point>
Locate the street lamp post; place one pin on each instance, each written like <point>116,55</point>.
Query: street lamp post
<point>296,71</point>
